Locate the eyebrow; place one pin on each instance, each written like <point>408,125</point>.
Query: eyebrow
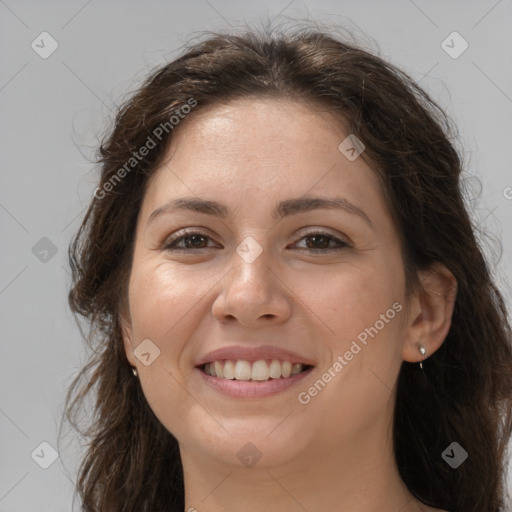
<point>283,209</point>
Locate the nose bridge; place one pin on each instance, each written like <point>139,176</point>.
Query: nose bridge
<point>250,289</point>
<point>250,264</point>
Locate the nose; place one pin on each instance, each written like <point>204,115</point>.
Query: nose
<point>253,294</point>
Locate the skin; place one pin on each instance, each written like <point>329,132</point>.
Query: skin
<point>335,452</point>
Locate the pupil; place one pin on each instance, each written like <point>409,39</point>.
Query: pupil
<point>316,239</point>
<point>195,239</point>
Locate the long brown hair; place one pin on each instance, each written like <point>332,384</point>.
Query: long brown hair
<point>464,393</point>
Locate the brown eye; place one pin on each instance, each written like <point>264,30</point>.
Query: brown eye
<point>319,242</point>
<point>188,241</point>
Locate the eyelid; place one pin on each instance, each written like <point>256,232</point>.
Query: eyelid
<point>313,230</point>
<point>185,232</point>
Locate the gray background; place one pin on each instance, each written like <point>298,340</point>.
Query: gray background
<point>54,110</point>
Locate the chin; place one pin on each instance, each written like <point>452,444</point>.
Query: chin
<point>264,443</point>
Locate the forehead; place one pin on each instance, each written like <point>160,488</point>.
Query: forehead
<point>258,129</point>
<point>266,149</point>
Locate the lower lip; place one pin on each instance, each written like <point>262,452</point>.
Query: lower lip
<point>250,388</point>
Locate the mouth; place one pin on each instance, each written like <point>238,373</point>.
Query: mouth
<point>262,370</point>
<point>242,379</point>
<point>241,371</point>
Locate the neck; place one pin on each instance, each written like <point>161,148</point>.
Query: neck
<point>351,477</point>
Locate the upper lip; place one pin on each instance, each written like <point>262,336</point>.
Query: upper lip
<point>252,354</point>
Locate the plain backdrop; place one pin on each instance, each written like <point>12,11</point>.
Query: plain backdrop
<point>55,107</point>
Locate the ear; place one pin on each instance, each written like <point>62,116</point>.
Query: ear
<point>431,310</point>
<point>127,334</point>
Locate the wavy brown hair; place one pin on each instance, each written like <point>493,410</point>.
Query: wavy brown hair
<point>464,393</point>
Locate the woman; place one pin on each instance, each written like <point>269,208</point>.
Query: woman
<point>289,307</point>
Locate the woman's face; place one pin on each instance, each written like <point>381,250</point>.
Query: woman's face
<point>266,273</point>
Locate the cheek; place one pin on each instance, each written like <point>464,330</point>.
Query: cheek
<point>363,308</point>
<point>161,298</point>
<point>355,298</point>
<point>162,304</point>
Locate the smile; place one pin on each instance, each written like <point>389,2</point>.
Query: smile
<point>261,370</point>
<point>243,379</point>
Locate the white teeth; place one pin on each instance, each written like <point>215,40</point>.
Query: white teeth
<point>286,369</point>
<point>260,370</point>
<point>242,370</point>
<point>275,369</point>
<point>229,370</point>
<point>218,369</point>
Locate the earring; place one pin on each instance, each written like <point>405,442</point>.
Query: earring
<point>422,350</point>
<point>134,371</point>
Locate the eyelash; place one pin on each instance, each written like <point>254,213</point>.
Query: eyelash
<point>170,245</point>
